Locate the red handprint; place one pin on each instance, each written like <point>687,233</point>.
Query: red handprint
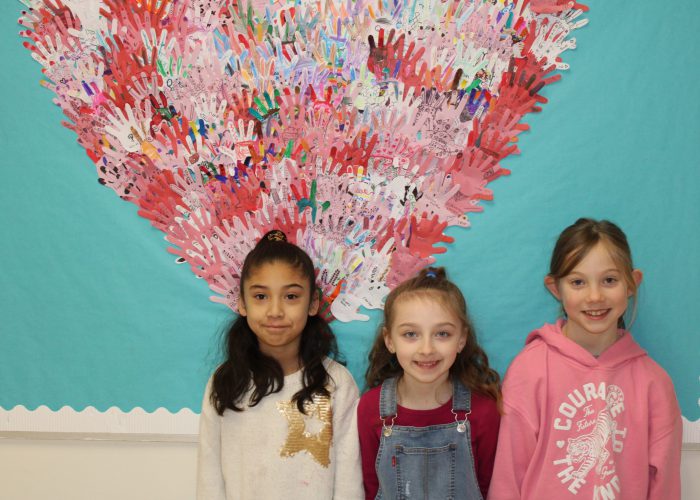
<point>425,234</point>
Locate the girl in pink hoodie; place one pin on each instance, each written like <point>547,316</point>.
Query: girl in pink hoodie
<point>587,413</point>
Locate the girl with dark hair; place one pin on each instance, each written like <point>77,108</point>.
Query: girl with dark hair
<point>587,412</point>
<point>278,417</point>
<point>428,426</point>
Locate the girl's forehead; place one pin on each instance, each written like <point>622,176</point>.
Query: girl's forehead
<point>598,256</point>
<point>416,296</point>
<point>276,272</point>
<point>431,299</point>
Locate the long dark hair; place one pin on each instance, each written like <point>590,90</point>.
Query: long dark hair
<point>246,368</point>
<point>471,367</point>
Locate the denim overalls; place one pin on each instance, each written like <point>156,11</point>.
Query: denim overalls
<point>433,462</point>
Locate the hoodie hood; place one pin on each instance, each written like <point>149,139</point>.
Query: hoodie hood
<point>622,351</point>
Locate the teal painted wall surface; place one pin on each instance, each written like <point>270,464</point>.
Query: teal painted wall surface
<point>94,311</point>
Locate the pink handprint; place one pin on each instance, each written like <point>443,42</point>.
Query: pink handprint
<point>555,6</point>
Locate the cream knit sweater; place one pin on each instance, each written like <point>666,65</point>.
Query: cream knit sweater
<point>272,450</point>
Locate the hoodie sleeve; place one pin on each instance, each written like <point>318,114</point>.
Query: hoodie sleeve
<point>517,437</point>
<point>665,436</point>
<point>210,480</point>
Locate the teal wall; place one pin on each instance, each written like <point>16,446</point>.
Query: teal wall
<point>94,311</point>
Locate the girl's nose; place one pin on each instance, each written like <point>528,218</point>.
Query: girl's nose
<point>594,294</point>
<point>426,345</point>
<point>275,310</point>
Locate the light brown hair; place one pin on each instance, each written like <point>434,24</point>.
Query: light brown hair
<point>471,366</point>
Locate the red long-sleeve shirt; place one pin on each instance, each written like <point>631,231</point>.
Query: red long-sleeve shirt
<point>484,421</point>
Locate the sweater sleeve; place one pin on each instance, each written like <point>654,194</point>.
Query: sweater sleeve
<point>367,414</point>
<point>665,437</point>
<point>346,449</point>
<point>210,480</point>
<point>517,437</point>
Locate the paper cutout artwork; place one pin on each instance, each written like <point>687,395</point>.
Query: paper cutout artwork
<point>363,129</point>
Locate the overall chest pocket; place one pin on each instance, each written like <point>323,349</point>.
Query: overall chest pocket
<point>425,473</point>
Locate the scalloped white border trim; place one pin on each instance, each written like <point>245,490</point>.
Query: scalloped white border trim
<point>113,421</point>
<point>138,421</point>
<point>691,431</point>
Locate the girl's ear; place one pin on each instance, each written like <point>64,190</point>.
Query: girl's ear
<point>637,276</point>
<point>314,304</point>
<point>551,283</point>
<point>241,306</point>
<point>387,340</point>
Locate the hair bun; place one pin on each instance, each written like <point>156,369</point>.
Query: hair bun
<point>433,273</point>
<point>274,235</point>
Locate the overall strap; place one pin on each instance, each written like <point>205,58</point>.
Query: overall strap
<point>387,398</point>
<point>461,397</point>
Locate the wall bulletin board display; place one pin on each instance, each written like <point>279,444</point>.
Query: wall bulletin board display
<point>102,331</point>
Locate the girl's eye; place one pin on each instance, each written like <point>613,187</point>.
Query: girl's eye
<point>410,335</point>
<point>292,296</point>
<point>576,283</point>
<point>259,296</point>
<point>610,280</point>
<point>443,334</point>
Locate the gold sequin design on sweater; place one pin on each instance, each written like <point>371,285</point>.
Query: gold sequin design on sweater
<point>299,438</point>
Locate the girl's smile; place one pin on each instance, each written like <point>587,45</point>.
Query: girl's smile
<point>426,365</point>
<point>597,315</point>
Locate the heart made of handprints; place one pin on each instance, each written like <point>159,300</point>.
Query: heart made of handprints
<point>362,129</point>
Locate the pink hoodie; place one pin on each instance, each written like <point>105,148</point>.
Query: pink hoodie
<point>576,426</point>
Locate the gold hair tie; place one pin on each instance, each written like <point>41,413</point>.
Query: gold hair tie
<point>276,235</point>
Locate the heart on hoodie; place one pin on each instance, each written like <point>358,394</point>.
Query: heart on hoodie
<point>361,129</point>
